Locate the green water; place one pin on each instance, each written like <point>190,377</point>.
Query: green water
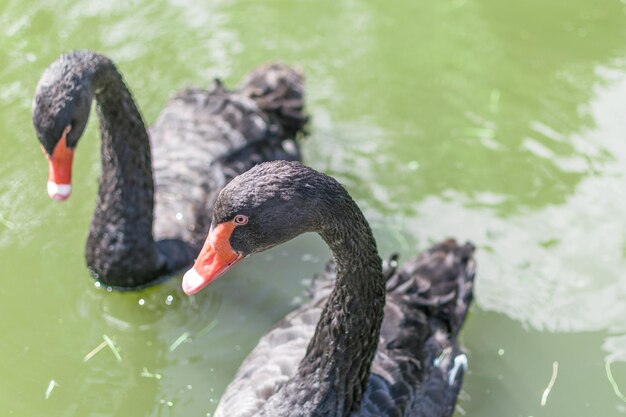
<point>500,122</point>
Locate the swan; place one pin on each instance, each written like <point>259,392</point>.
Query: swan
<point>157,187</point>
<point>372,341</point>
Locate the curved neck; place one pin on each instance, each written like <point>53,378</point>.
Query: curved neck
<point>339,356</point>
<point>120,249</point>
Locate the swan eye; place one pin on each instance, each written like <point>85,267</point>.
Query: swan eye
<point>240,219</point>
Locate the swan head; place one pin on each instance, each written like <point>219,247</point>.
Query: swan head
<point>270,204</point>
<point>60,112</point>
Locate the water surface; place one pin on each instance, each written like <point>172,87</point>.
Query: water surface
<point>493,121</point>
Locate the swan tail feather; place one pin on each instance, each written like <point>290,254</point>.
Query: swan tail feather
<point>324,281</point>
<point>439,281</point>
<point>278,90</point>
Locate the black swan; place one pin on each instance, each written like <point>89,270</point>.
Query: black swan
<point>380,342</point>
<point>146,227</point>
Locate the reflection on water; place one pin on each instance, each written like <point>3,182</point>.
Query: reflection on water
<point>502,100</point>
<point>496,122</point>
<point>554,267</point>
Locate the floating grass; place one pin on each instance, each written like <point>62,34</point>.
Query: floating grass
<point>51,386</point>
<point>94,351</point>
<point>147,374</point>
<point>208,328</point>
<point>546,392</point>
<point>179,341</point>
<point>609,375</point>
<point>112,346</point>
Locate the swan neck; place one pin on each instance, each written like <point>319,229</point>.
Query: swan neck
<point>333,375</point>
<point>346,337</point>
<point>120,249</point>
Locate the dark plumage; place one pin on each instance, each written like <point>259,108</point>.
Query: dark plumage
<point>157,188</point>
<point>373,340</point>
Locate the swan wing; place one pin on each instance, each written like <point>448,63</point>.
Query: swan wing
<point>419,366</point>
<point>271,364</point>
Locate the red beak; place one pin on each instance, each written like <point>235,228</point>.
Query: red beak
<point>216,257</point>
<point>60,169</point>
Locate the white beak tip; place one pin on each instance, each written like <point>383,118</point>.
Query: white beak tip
<point>59,192</point>
<point>192,282</point>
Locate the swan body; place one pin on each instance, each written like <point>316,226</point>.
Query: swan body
<point>372,341</point>
<point>157,186</point>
